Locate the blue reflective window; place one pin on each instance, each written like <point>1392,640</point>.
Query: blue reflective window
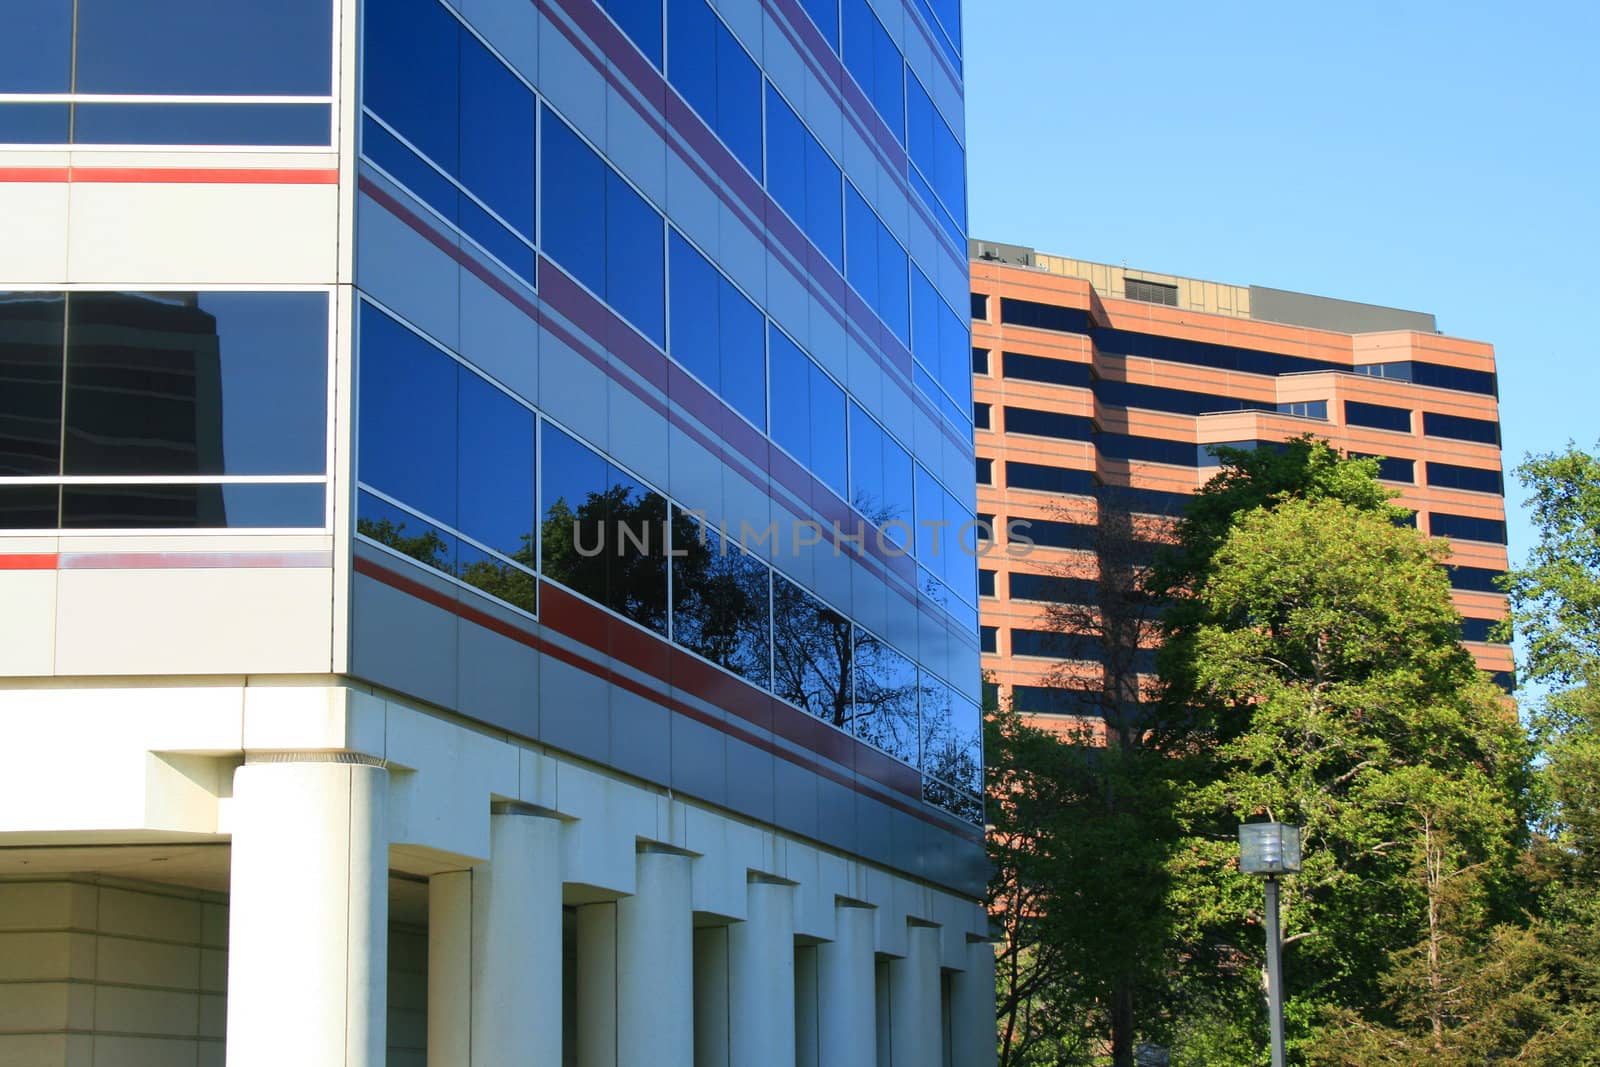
<point>410,535</point>
<point>202,124</point>
<point>804,180</point>
<point>952,736</point>
<point>205,47</point>
<point>34,123</point>
<point>873,60</point>
<point>572,208</point>
<point>196,383</point>
<point>884,710</point>
<point>880,476</point>
<point>716,76</point>
<point>641,21</point>
<point>941,342</point>
<point>635,271</point>
<point>410,169</point>
<point>407,427</point>
<point>717,333</point>
<point>497,140</point>
<point>825,13</point>
<point>36,48</point>
<point>934,150</point>
<point>495,469</point>
<point>810,654</point>
<point>808,413</point>
<point>861,245</point>
<point>721,600</point>
<point>412,74</point>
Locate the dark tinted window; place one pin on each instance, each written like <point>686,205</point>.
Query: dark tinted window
<point>1390,468</point>
<point>883,709</point>
<point>715,75</point>
<point>1042,478</point>
<point>1477,629</point>
<point>1052,588</point>
<point>986,583</point>
<point>1476,579</point>
<point>201,124</point>
<point>1377,416</point>
<point>1151,450</point>
<point>980,306</point>
<point>989,639</point>
<point>980,416</point>
<point>1467,528</point>
<point>204,47</point>
<point>1461,428</point>
<point>804,180</point>
<point>1051,533</point>
<point>1043,316</point>
<point>1198,353</point>
<point>1044,700</point>
<point>1142,501</point>
<point>34,123</point>
<point>721,600</point>
<point>1473,479</point>
<point>186,383</point>
<point>641,21</point>
<point>36,48</point>
<point>191,506</point>
<point>1305,409</point>
<point>808,642</point>
<point>980,361</point>
<point>717,333</point>
<point>1182,401</point>
<point>1048,424</point>
<point>1042,643</point>
<point>985,471</point>
<point>1016,366</point>
<point>1433,374</point>
<point>31,338</point>
<point>872,58</point>
<point>29,507</point>
<point>603,533</point>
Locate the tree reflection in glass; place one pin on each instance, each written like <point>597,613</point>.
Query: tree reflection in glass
<point>812,650</point>
<point>884,709</point>
<point>720,600</point>
<point>603,533</point>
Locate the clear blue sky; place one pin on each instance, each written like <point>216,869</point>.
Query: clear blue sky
<point>1442,157</point>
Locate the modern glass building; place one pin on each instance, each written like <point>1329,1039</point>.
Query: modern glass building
<point>1102,393</point>
<point>487,534</point>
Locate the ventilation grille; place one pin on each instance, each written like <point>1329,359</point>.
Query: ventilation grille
<point>1150,292</point>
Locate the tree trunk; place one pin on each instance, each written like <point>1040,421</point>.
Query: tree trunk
<point>1122,1026</point>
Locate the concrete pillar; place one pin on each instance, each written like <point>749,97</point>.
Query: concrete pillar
<point>655,965</point>
<point>308,928</point>
<point>516,944</point>
<point>805,1007</point>
<point>597,985</point>
<point>846,1009</point>
<point>972,1021</point>
<point>916,1033</point>
<point>761,1026</point>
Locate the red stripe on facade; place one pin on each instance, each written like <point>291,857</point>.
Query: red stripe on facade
<point>173,175</point>
<point>583,622</point>
<point>29,561</point>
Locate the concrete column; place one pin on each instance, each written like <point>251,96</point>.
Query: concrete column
<point>846,1001</point>
<point>655,965</point>
<point>972,1021</point>
<point>516,944</point>
<point>597,985</point>
<point>761,1024</point>
<point>805,1007</point>
<point>916,1033</point>
<point>308,933</point>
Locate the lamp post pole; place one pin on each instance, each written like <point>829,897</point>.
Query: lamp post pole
<point>1271,849</point>
<point>1274,971</point>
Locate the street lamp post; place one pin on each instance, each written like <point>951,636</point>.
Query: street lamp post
<point>1271,849</point>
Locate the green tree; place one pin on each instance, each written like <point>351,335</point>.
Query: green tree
<point>1313,644</point>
